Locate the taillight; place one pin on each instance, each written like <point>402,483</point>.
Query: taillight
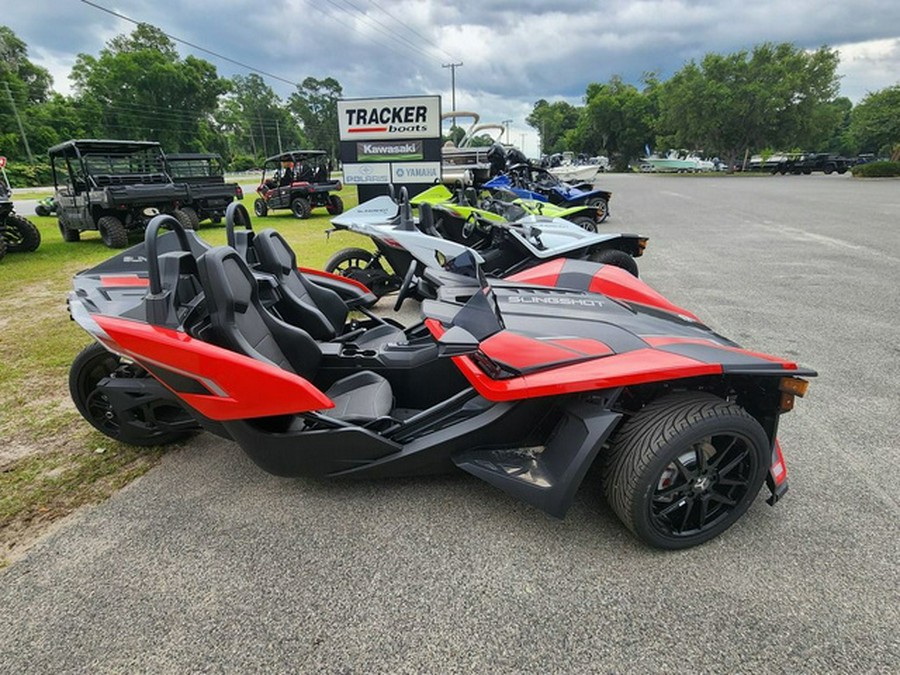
<point>239,192</point>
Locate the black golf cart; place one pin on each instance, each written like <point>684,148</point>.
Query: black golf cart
<point>298,180</point>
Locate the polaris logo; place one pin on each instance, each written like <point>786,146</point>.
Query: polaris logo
<point>567,302</point>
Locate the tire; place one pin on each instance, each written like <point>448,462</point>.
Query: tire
<point>41,210</point>
<point>335,205</point>
<point>260,208</point>
<point>2,246</point>
<point>301,208</point>
<point>113,232</point>
<point>192,214</point>
<point>92,364</point>
<point>685,468</point>
<point>602,206</point>
<point>68,234</point>
<point>616,258</point>
<point>345,261</point>
<point>21,234</point>
<point>184,218</point>
<point>586,223</point>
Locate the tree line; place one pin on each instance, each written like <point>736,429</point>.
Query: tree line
<point>138,87</point>
<point>774,97</point>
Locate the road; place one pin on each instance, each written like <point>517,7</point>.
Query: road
<point>207,563</point>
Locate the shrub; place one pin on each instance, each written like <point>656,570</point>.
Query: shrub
<point>877,170</point>
<point>243,163</point>
<point>28,175</point>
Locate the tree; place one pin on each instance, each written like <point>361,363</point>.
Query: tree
<point>315,106</point>
<point>143,90</point>
<point>617,120</point>
<point>875,122</point>
<point>552,121</point>
<point>257,119</point>
<point>23,87</point>
<point>729,104</point>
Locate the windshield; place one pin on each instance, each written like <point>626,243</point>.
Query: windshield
<point>480,316</point>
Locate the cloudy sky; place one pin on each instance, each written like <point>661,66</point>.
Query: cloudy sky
<point>514,52</point>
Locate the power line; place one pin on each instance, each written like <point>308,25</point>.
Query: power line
<point>191,44</point>
<point>410,29</point>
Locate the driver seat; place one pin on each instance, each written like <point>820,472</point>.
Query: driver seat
<point>242,324</point>
<point>319,311</point>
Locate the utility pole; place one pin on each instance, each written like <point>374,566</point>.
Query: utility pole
<point>506,124</point>
<point>19,121</point>
<point>278,131</point>
<point>452,67</point>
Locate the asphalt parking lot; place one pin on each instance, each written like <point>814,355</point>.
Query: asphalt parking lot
<point>209,564</point>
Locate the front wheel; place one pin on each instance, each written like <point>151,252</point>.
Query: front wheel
<point>602,207</point>
<point>685,468</point>
<point>586,223</point>
<point>616,258</point>
<point>139,425</point>
<point>349,260</point>
<point>22,236</point>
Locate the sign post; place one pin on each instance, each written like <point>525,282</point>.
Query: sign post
<point>390,140</point>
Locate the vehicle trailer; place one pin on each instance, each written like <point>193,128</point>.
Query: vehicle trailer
<point>815,161</point>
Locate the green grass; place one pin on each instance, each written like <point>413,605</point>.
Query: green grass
<point>59,469</point>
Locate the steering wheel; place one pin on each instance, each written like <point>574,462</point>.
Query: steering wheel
<point>468,228</point>
<point>407,285</point>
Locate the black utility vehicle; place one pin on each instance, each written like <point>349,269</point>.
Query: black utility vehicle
<point>208,193</point>
<point>298,180</point>
<point>17,233</point>
<point>813,161</point>
<point>115,187</point>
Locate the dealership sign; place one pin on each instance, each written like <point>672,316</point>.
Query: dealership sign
<point>378,119</point>
<point>390,140</point>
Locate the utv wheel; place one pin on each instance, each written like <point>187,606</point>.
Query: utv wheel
<point>335,205</point>
<point>617,258</point>
<point>184,218</point>
<point>93,364</point>
<point>21,234</point>
<point>68,234</point>
<point>41,210</point>
<point>685,468</point>
<point>192,214</point>
<point>586,223</point>
<point>113,232</point>
<point>602,207</point>
<point>301,208</point>
<point>2,245</point>
<point>260,208</point>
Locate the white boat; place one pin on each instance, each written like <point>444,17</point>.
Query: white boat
<point>573,171</point>
<point>679,161</point>
<point>464,161</point>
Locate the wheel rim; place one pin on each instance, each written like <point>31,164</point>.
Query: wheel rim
<point>350,265</point>
<point>703,486</point>
<point>97,404</point>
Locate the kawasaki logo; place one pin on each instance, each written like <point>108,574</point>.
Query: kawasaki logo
<point>389,149</point>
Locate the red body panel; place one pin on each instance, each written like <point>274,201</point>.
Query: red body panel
<point>110,280</point>
<point>337,277</point>
<point>608,280</point>
<point>635,367</point>
<point>238,382</point>
<point>662,341</point>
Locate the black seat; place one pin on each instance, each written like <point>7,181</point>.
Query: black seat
<point>319,311</point>
<point>241,323</point>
